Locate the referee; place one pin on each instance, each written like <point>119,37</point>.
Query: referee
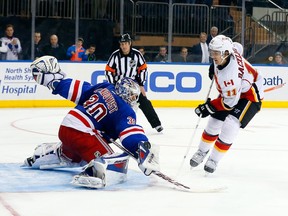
<point>129,62</point>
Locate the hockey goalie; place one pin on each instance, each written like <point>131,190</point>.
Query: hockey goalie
<point>103,113</point>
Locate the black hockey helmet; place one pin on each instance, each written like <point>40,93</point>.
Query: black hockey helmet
<point>125,38</point>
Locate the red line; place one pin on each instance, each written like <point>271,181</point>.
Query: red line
<point>8,207</point>
<point>13,124</point>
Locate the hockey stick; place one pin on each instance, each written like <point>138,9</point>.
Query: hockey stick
<point>157,173</point>
<point>274,87</point>
<point>166,178</point>
<point>193,135</point>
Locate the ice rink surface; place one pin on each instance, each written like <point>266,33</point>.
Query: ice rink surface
<point>254,171</point>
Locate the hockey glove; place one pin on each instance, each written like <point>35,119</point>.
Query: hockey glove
<point>148,158</point>
<point>46,71</point>
<point>204,110</point>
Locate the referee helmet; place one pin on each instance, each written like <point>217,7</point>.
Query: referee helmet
<point>125,38</point>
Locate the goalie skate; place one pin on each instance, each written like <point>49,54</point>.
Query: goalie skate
<point>103,171</point>
<point>93,175</point>
<point>84,180</point>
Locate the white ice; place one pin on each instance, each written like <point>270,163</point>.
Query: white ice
<point>255,170</point>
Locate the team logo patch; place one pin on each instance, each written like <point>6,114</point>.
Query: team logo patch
<point>227,83</point>
<point>132,63</point>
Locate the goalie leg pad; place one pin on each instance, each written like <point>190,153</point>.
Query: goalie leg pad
<point>48,156</point>
<point>103,171</point>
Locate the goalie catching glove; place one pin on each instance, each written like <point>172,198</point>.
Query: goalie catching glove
<point>203,110</point>
<point>46,71</point>
<point>148,157</point>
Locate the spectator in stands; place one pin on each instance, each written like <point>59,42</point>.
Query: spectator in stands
<point>200,51</point>
<point>213,33</point>
<point>162,56</point>
<point>3,49</point>
<point>182,56</point>
<point>54,48</point>
<point>37,48</point>
<point>277,60</point>
<point>11,46</point>
<point>76,52</point>
<point>223,17</point>
<point>142,51</point>
<point>90,53</point>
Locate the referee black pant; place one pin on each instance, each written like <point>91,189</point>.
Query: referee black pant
<point>146,106</point>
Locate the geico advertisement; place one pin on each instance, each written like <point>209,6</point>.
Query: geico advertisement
<point>164,82</point>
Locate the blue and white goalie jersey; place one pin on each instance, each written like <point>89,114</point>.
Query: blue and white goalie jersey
<point>100,108</point>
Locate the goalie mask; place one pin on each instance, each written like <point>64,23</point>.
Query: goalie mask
<point>128,90</point>
<point>220,46</point>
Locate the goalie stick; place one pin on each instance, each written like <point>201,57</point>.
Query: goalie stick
<point>157,173</point>
<point>166,178</point>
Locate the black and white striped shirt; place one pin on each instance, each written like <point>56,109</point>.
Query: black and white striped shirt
<point>132,65</point>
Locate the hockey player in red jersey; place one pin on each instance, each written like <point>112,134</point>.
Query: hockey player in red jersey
<point>240,93</point>
<point>103,112</point>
